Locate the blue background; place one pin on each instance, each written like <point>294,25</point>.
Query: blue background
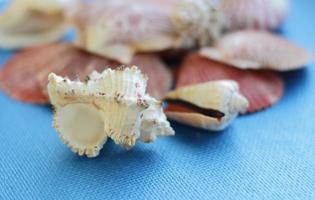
<point>268,155</point>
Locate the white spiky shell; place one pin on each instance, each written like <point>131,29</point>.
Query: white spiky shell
<point>119,29</point>
<point>222,96</point>
<point>114,104</point>
<point>29,23</point>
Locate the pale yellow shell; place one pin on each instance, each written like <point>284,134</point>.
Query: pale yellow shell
<point>222,96</point>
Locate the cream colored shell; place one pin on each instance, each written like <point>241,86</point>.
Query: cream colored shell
<point>112,104</point>
<point>108,27</point>
<point>222,96</point>
<point>33,22</point>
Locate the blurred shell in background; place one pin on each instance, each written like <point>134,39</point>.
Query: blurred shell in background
<point>197,21</point>
<point>24,76</point>
<point>261,88</point>
<point>33,22</point>
<point>254,14</point>
<point>258,50</point>
<point>118,29</point>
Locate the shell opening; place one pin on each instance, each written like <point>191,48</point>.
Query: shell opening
<point>82,123</point>
<point>178,105</point>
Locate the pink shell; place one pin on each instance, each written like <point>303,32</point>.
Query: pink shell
<point>24,76</point>
<point>129,21</point>
<point>261,88</point>
<point>254,14</point>
<point>259,50</point>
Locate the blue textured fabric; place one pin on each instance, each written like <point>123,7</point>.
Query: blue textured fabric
<point>268,155</point>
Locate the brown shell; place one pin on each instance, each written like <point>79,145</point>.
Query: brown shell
<point>258,50</point>
<point>261,88</point>
<point>24,76</point>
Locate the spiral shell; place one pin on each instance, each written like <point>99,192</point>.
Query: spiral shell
<point>112,104</point>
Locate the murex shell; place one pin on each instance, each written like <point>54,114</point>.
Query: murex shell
<point>119,29</point>
<point>112,104</point>
<point>212,105</point>
<point>33,22</point>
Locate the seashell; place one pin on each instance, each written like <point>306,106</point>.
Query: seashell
<point>197,21</point>
<point>112,104</point>
<point>254,14</point>
<point>119,29</point>
<point>221,102</point>
<point>261,88</point>
<point>28,23</point>
<point>24,76</point>
<point>257,50</point>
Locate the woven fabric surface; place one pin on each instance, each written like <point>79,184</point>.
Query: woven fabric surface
<point>268,155</point>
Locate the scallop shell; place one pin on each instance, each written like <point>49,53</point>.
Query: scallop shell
<point>254,14</point>
<point>119,29</point>
<point>212,105</point>
<point>24,76</point>
<point>28,23</point>
<point>261,88</point>
<point>112,104</point>
<point>257,50</point>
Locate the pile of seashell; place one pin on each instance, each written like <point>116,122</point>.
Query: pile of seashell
<point>224,56</point>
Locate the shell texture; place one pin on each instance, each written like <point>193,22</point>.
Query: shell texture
<point>261,88</point>
<point>221,102</point>
<point>258,50</point>
<point>254,14</point>
<point>197,21</point>
<point>112,104</point>
<point>24,76</point>
<point>119,29</point>
<point>29,23</point>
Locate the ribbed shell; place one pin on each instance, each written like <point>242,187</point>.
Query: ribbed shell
<point>24,76</point>
<point>258,50</point>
